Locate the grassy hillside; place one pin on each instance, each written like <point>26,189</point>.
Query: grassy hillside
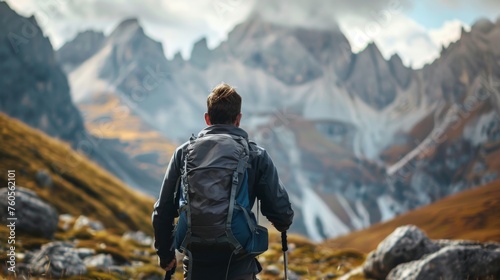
<point>472,214</point>
<point>79,186</point>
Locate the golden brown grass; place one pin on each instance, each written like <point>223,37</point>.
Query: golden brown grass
<point>472,214</point>
<point>79,185</point>
<point>309,260</point>
<point>110,118</point>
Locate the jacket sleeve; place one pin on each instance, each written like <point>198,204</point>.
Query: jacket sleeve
<point>276,205</point>
<point>165,209</point>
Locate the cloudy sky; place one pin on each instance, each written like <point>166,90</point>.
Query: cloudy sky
<point>415,29</point>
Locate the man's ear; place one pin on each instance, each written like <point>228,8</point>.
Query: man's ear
<point>238,119</point>
<point>207,119</point>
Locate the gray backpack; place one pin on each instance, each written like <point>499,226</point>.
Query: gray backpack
<point>214,203</point>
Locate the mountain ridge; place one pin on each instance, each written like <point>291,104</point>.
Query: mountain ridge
<point>42,82</point>
<point>386,117</point>
<point>36,91</point>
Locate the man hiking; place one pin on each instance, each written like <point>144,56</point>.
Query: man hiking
<point>211,184</point>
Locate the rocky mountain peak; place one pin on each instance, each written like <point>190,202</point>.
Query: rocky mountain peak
<point>6,10</point>
<point>372,50</point>
<point>395,58</point>
<point>483,25</point>
<point>402,73</point>
<point>127,30</point>
<point>254,28</point>
<point>177,60</point>
<point>127,24</point>
<point>274,49</point>
<point>34,87</point>
<point>83,46</point>
<point>465,60</point>
<point>329,47</point>
<point>371,78</point>
<point>200,55</point>
<point>130,48</point>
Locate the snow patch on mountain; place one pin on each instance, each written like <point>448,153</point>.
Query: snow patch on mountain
<point>85,80</point>
<point>363,213</point>
<point>476,132</point>
<point>387,206</point>
<point>314,209</point>
<point>356,221</point>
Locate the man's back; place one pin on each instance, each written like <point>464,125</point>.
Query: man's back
<point>263,184</point>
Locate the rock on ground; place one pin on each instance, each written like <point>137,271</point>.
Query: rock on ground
<point>102,261</point>
<point>85,252</point>
<point>139,237</point>
<point>455,262</point>
<point>409,254</point>
<point>405,244</point>
<point>66,220</point>
<point>56,260</point>
<point>43,179</point>
<point>84,221</point>
<point>34,216</point>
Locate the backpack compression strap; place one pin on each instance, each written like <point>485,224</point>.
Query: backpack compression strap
<point>240,170</point>
<point>235,185</point>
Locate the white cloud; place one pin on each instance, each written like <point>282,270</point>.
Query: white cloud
<point>177,24</point>
<point>323,14</point>
<point>397,33</point>
<point>448,33</point>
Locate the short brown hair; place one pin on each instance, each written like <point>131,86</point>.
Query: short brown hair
<point>223,104</point>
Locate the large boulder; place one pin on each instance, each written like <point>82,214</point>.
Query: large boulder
<point>409,254</point>
<point>56,260</point>
<point>405,244</point>
<point>34,216</point>
<point>454,262</point>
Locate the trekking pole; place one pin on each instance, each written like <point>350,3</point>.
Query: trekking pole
<point>284,246</point>
<point>170,273</point>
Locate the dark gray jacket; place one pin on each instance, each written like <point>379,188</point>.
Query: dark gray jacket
<point>263,184</point>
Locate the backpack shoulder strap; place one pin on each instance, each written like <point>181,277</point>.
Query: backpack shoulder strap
<point>235,188</point>
<point>254,150</point>
<point>183,186</point>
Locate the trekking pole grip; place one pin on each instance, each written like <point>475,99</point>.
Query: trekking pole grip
<point>284,242</point>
